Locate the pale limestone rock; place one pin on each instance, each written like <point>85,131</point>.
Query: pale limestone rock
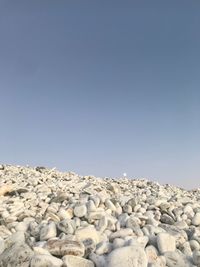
<point>131,256</point>
<point>196,219</point>
<point>65,247</point>
<point>75,261</point>
<point>165,242</point>
<point>80,210</point>
<point>45,260</point>
<point>87,232</point>
<point>48,231</point>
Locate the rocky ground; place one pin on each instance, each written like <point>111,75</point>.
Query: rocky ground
<point>54,219</point>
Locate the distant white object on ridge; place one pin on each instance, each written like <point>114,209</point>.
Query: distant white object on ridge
<point>124,174</point>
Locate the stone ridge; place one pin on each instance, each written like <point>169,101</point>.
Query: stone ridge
<point>52,218</point>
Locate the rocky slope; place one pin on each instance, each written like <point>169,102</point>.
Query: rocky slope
<point>49,218</point>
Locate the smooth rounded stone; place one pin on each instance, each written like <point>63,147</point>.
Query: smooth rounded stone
<point>133,202</point>
<point>44,260</point>
<point>22,226</point>
<point>179,235</point>
<point>98,260</point>
<point>75,261</point>
<point>67,226</point>
<point>48,231</point>
<point>194,245</point>
<point>196,219</point>
<point>103,248</point>
<point>87,232</point>
<point>178,259</point>
<point>16,255</point>
<point>96,215</point>
<point>83,223</point>
<point>80,210</point>
<point>91,206</point>
<point>186,249</point>
<point>2,245</point>
<point>131,256</point>
<point>65,247</point>
<point>188,209</point>
<point>152,253</point>
<point>118,243</point>
<point>123,219</point>
<point>165,218</point>
<point>133,220</point>
<point>166,242</point>
<point>181,224</point>
<point>110,205</point>
<point>40,250</point>
<point>102,224</point>
<point>96,200</point>
<point>89,245</point>
<point>65,214</point>
<point>121,233</point>
<point>196,258</point>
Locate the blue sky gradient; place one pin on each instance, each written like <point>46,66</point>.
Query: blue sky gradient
<point>102,87</point>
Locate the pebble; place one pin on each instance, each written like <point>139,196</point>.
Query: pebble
<point>75,261</point>
<point>80,210</point>
<point>121,233</point>
<point>65,247</point>
<point>48,231</point>
<point>196,258</point>
<point>196,219</point>
<point>66,226</point>
<point>166,242</point>
<point>45,260</point>
<point>131,256</point>
<point>87,232</point>
<point>178,259</point>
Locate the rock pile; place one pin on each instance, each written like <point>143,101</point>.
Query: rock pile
<point>54,219</point>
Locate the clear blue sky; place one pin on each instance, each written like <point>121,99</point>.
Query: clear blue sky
<point>102,87</point>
